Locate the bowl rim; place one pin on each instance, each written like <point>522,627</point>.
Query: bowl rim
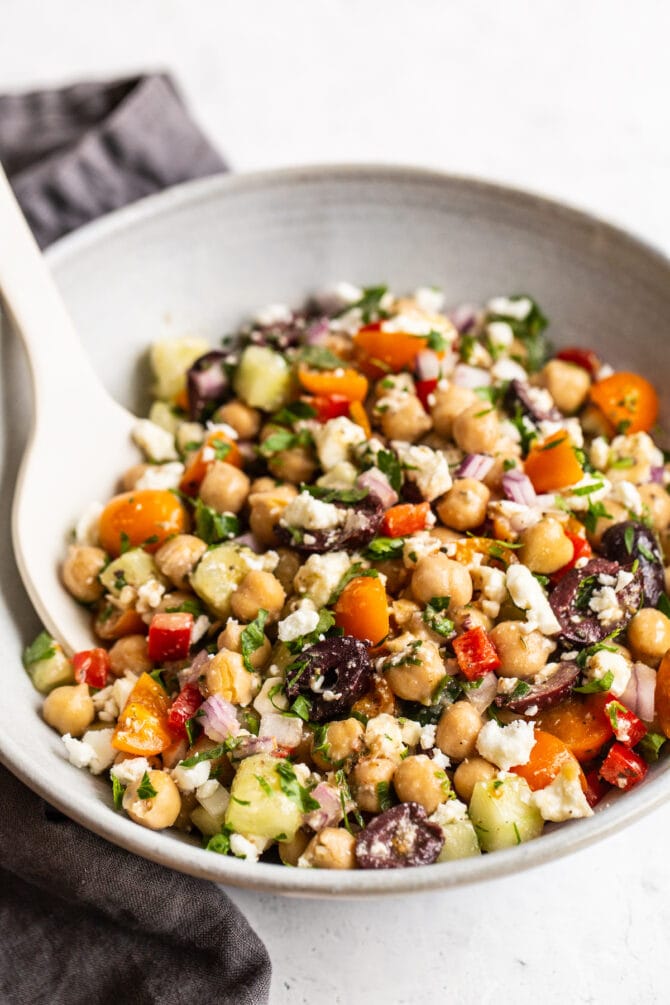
<point>161,847</point>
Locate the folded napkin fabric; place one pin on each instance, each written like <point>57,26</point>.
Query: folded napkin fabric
<point>77,152</point>
<point>83,922</point>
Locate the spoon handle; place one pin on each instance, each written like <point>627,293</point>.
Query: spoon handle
<point>32,301</point>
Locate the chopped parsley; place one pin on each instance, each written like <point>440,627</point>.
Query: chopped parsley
<point>529,331</point>
<point>117,792</point>
<point>221,448</point>
<point>434,618</point>
<point>369,304</point>
<point>650,746</point>
<point>629,538</point>
<point>329,495</point>
<point>384,796</point>
<point>124,543</point>
<point>43,648</point>
<point>301,708</point>
<point>212,754</point>
<point>596,686</point>
<point>292,788</point>
<point>389,465</point>
<point>355,571</point>
<point>264,784</point>
<point>252,638</point>
<point>324,625</point>
<point>317,357</point>
<point>381,548</point>
<point>212,526</point>
<point>521,689</point>
<point>292,413</point>
<point>220,843</point>
<point>284,439</point>
<point>593,514</point>
<point>145,789</point>
<point>436,341</point>
<point>663,604</point>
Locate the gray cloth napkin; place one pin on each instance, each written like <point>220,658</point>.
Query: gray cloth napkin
<point>82,921</point>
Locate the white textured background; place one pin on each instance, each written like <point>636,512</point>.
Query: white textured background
<point>567,98</point>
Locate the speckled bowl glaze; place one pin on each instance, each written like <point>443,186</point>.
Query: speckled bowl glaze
<point>197,259</point>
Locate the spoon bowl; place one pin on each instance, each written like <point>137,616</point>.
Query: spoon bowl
<point>80,436</point>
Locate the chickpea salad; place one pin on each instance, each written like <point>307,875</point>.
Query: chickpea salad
<point>387,587</point>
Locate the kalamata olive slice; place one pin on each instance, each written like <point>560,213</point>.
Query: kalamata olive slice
<point>549,692</point>
<point>397,838</point>
<point>208,384</point>
<point>591,603</point>
<point>332,675</point>
<point>529,400</point>
<point>629,541</point>
<point>362,521</point>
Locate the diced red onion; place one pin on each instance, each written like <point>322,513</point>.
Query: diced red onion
<point>481,697</point>
<point>208,384</point>
<point>190,675</point>
<point>545,501</point>
<point>427,365</point>
<point>463,317</point>
<point>248,450</point>
<point>285,729</point>
<point>218,718</point>
<point>640,692</point>
<point>317,332</point>
<point>471,376</point>
<point>330,811</point>
<point>249,745</point>
<point>378,485</point>
<point>475,466</point>
<point>518,488</point>
<point>657,475</point>
<point>248,541</point>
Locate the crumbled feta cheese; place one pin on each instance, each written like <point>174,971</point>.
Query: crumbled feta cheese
<point>450,812</point>
<point>78,753</point>
<point>418,546</point>
<point>94,751</point>
<point>149,595</point>
<point>266,703</point>
<point>507,684</point>
<point>88,524</point>
<point>640,447</point>
<point>517,309</point>
<point>200,627</point>
<point>427,738</point>
<point>493,587</point>
<point>341,476</point>
<point>121,689</point>
<point>605,603</point>
<point>527,594</point>
<point>599,453</point>
<point>411,732</point>
<point>213,797</point>
<point>506,746</point>
<point>507,369</point>
<point>429,299</point>
<point>604,662</point>
<point>500,335</point>
<point>427,468</point>
<point>409,324</point>
<point>335,441</point>
<point>440,760</point>
<point>274,314</point>
<point>320,574</point>
<point>156,443</point>
<point>301,622</point>
<point>190,779</point>
<point>627,494</point>
<point>563,799</point>
<point>130,770</point>
<point>242,847</point>
<point>161,476</point>
<point>312,514</point>
<point>383,737</point>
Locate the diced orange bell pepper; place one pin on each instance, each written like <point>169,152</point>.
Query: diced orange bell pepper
<point>348,383</point>
<point>143,517</point>
<point>553,464</point>
<point>546,760</point>
<point>362,609</point>
<point>408,518</point>
<point>142,726</point>
<point>628,402</point>
<point>358,415</point>
<point>217,447</point>
<point>378,352</point>
<point>580,722</point>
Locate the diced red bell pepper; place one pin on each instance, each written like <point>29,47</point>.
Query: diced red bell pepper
<point>183,708</point>
<point>329,406</point>
<point>582,549</point>
<point>424,389</point>
<point>596,789</point>
<point>623,767</point>
<point>626,726</point>
<point>475,653</point>
<point>170,636</point>
<point>585,358</point>
<point>408,518</point>
<point>91,666</point>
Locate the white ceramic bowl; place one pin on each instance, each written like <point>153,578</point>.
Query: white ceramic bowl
<point>200,257</point>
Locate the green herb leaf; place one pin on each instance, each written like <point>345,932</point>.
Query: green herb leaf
<point>292,788</point>
<point>220,843</point>
<point>221,449</point>
<point>650,746</point>
<point>145,789</point>
<point>369,304</point>
<point>629,538</point>
<point>284,439</point>
<point>213,527</point>
<point>384,796</point>
<point>323,626</point>
<point>117,792</point>
<point>521,689</point>
<point>329,495</point>
<point>381,548</point>
<point>192,728</point>
<point>466,346</point>
<point>124,543</point>
<point>253,637</point>
<point>213,754</point>
<point>529,331</point>
<point>317,357</point>
<point>593,514</point>
<point>663,604</point>
<point>432,616</point>
<point>264,784</point>
<point>292,413</point>
<point>353,572</point>
<point>157,675</point>
<point>302,708</point>
<point>389,465</point>
<point>644,551</point>
<point>436,341</point>
<point>345,798</point>
<point>596,686</point>
<point>43,648</point>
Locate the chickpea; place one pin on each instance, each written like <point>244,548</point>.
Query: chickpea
<point>366,776</point>
<point>464,505</point>
<point>617,513</point>
<point>287,568</point>
<point>445,535</point>
<point>225,488</point>
<point>458,729</point>
<point>649,636</point>
<point>439,576</point>
<point>418,780</point>
<point>477,430</point>
<point>226,675</point>
<point>403,612</point>
<point>343,739</point>
<point>469,772</point>
<point>130,653</point>
<point>394,384</point>
<point>397,576</point>
<point>450,402</point>
<point>414,669</point>
<point>468,617</point>
<point>295,465</point>
<point>244,420</point>
<point>178,557</point>
<point>131,477</point>
<point>69,709</point>
<point>231,638</point>
<point>546,548</point>
<point>522,654</point>
<point>290,851</point>
<point>567,383</point>
<point>331,848</point>
<point>156,812</point>
<point>264,484</point>
<point>657,501</point>
<point>258,590</point>
<point>408,421</point>
<point>81,568</point>
<point>189,436</point>
<point>266,509</point>
<point>506,450</point>
<point>594,422</point>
